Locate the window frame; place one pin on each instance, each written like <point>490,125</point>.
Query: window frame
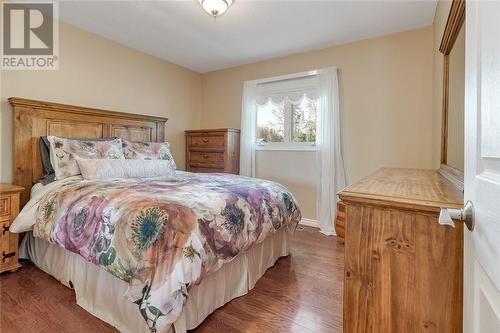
<point>288,144</point>
<point>306,146</point>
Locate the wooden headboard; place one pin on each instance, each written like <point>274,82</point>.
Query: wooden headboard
<point>33,119</point>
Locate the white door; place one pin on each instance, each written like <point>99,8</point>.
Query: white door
<point>482,166</point>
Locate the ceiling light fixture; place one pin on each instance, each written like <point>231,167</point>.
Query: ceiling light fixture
<point>215,7</point>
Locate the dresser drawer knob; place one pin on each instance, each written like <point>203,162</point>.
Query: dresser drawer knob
<point>205,140</point>
<point>7,255</point>
<point>5,228</point>
<point>205,157</point>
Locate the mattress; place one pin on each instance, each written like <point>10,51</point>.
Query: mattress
<point>101,293</point>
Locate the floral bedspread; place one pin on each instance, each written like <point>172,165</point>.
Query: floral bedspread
<point>164,235</point>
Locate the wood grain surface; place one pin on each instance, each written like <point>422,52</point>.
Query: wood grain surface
<point>9,188</point>
<point>9,242</point>
<point>416,189</point>
<point>301,293</point>
<point>340,221</point>
<point>403,271</point>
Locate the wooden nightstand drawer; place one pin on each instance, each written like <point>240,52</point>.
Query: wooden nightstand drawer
<point>206,158</point>
<point>206,141</point>
<point>205,169</point>
<point>4,225</point>
<point>8,247</point>
<point>5,205</point>
<point>9,242</point>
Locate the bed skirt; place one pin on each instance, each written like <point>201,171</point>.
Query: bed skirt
<point>101,293</point>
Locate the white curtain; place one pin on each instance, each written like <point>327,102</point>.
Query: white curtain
<point>328,150</point>
<point>248,123</point>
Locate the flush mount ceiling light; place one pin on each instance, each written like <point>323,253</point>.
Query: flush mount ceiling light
<point>215,7</point>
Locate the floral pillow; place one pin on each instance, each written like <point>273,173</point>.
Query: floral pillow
<point>64,153</point>
<point>148,151</point>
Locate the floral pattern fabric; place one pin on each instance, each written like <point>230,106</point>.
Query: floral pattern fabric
<point>148,151</point>
<point>162,236</point>
<point>64,152</point>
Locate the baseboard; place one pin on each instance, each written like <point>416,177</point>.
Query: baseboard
<point>314,224</point>
<point>309,223</point>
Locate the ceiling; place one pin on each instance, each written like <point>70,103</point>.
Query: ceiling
<point>250,31</point>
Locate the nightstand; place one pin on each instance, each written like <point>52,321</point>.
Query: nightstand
<point>9,242</point>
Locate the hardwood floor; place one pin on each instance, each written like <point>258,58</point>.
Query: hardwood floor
<point>301,293</point>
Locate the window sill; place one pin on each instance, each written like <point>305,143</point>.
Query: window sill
<point>286,147</point>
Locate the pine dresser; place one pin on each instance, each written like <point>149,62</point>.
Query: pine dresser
<point>403,271</point>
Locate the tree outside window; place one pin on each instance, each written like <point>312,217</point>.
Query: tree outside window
<point>288,122</point>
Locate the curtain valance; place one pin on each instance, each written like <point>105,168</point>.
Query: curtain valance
<point>294,88</point>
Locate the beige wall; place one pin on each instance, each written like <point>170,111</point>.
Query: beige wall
<point>296,171</point>
<point>97,72</point>
<point>386,91</point>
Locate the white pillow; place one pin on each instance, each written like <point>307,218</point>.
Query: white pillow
<point>105,169</point>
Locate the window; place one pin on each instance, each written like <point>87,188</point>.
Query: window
<point>271,122</point>
<point>287,115</point>
<point>304,120</point>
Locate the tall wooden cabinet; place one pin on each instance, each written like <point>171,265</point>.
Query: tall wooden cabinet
<point>403,271</point>
<point>213,150</point>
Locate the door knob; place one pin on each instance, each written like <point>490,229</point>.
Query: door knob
<point>466,214</point>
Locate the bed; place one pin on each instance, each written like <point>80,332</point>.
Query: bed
<point>212,274</point>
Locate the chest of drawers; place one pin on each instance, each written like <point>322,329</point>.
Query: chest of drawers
<point>213,150</point>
